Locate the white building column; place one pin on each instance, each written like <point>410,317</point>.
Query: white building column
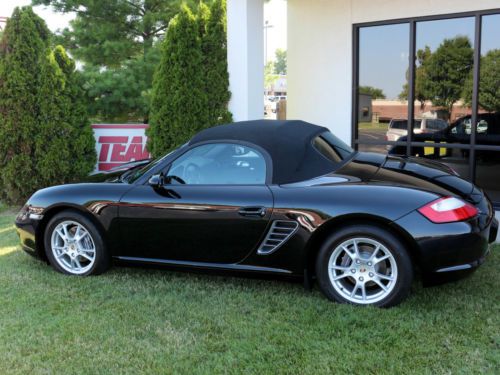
<point>245,56</point>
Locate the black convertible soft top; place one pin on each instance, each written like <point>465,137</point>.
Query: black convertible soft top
<point>289,143</point>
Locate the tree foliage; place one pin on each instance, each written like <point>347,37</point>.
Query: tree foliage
<point>489,82</point>
<point>190,86</point>
<point>23,46</point>
<point>447,71</point>
<point>375,92</point>
<point>214,50</point>
<point>107,33</point>
<point>116,40</point>
<point>120,94</point>
<point>421,94</point>
<point>178,101</point>
<point>280,64</point>
<point>45,138</point>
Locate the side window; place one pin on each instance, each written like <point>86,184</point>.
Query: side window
<point>220,164</point>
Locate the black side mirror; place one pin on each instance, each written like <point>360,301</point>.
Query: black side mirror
<point>156,180</point>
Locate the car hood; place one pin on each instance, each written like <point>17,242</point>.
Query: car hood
<point>117,174</point>
<point>412,172</point>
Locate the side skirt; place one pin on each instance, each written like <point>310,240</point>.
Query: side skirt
<point>202,265</point>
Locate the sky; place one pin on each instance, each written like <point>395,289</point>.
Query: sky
<point>275,14</point>
<point>54,20</point>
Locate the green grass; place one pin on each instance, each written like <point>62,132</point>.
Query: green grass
<point>133,321</point>
<point>373,126</point>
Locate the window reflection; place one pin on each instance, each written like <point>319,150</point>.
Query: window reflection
<point>444,61</point>
<point>383,66</point>
<point>488,125</point>
<point>488,173</point>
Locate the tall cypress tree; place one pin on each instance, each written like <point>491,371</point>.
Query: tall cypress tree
<point>45,135</point>
<point>190,87</point>
<point>23,46</point>
<point>214,48</point>
<point>52,152</point>
<point>81,140</point>
<point>178,98</point>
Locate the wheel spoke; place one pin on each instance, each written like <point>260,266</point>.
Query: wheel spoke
<point>380,284</point>
<point>341,276</point>
<point>384,277</point>
<point>378,260</point>
<point>77,234</point>
<point>354,290</point>
<point>363,291</point>
<point>77,263</point>
<point>66,232</point>
<point>340,268</point>
<point>355,245</point>
<point>61,234</point>
<point>83,255</point>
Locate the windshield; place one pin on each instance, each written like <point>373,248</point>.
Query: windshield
<point>140,172</point>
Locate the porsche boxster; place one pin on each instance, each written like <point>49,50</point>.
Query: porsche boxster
<point>270,197</point>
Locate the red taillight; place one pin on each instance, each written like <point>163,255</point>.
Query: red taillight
<point>448,210</point>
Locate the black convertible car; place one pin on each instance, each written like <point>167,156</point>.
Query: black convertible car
<point>271,197</point>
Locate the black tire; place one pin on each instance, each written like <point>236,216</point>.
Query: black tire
<point>396,292</point>
<point>102,259</point>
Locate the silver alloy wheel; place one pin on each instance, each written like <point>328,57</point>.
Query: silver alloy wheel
<point>73,247</point>
<point>362,270</point>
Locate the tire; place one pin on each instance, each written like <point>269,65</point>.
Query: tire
<point>74,245</point>
<point>380,278</point>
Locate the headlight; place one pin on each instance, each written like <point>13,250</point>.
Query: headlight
<point>30,212</point>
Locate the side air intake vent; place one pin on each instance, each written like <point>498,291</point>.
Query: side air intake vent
<point>280,232</point>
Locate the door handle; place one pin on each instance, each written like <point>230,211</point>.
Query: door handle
<point>252,211</point>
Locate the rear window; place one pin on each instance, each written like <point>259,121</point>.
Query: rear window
<point>403,124</point>
<point>332,147</point>
<point>436,124</point>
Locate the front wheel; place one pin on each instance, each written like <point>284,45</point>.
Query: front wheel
<point>364,265</point>
<point>74,245</point>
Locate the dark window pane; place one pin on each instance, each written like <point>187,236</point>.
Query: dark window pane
<point>380,149</point>
<point>443,68</point>
<point>383,66</point>
<point>488,124</point>
<point>488,173</point>
<point>458,159</point>
<point>220,164</point>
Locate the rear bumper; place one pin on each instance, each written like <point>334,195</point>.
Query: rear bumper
<point>451,248</point>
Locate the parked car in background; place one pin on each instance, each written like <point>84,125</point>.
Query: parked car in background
<point>399,127</point>
<point>487,133</point>
<point>283,198</point>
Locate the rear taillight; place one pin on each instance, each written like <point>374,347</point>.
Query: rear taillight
<point>448,210</point>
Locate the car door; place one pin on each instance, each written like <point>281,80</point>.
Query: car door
<point>213,206</point>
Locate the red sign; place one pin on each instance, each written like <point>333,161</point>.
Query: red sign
<point>117,144</point>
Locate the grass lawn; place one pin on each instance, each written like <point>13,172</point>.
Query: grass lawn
<point>133,320</point>
<point>373,127</point>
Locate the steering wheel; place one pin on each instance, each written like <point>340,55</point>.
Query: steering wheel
<point>192,174</point>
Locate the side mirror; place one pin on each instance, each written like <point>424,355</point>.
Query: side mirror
<point>156,180</point>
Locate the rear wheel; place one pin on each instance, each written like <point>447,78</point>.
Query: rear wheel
<point>364,265</point>
<point>74,245</point>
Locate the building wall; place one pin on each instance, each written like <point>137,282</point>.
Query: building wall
<point>320,51</point>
